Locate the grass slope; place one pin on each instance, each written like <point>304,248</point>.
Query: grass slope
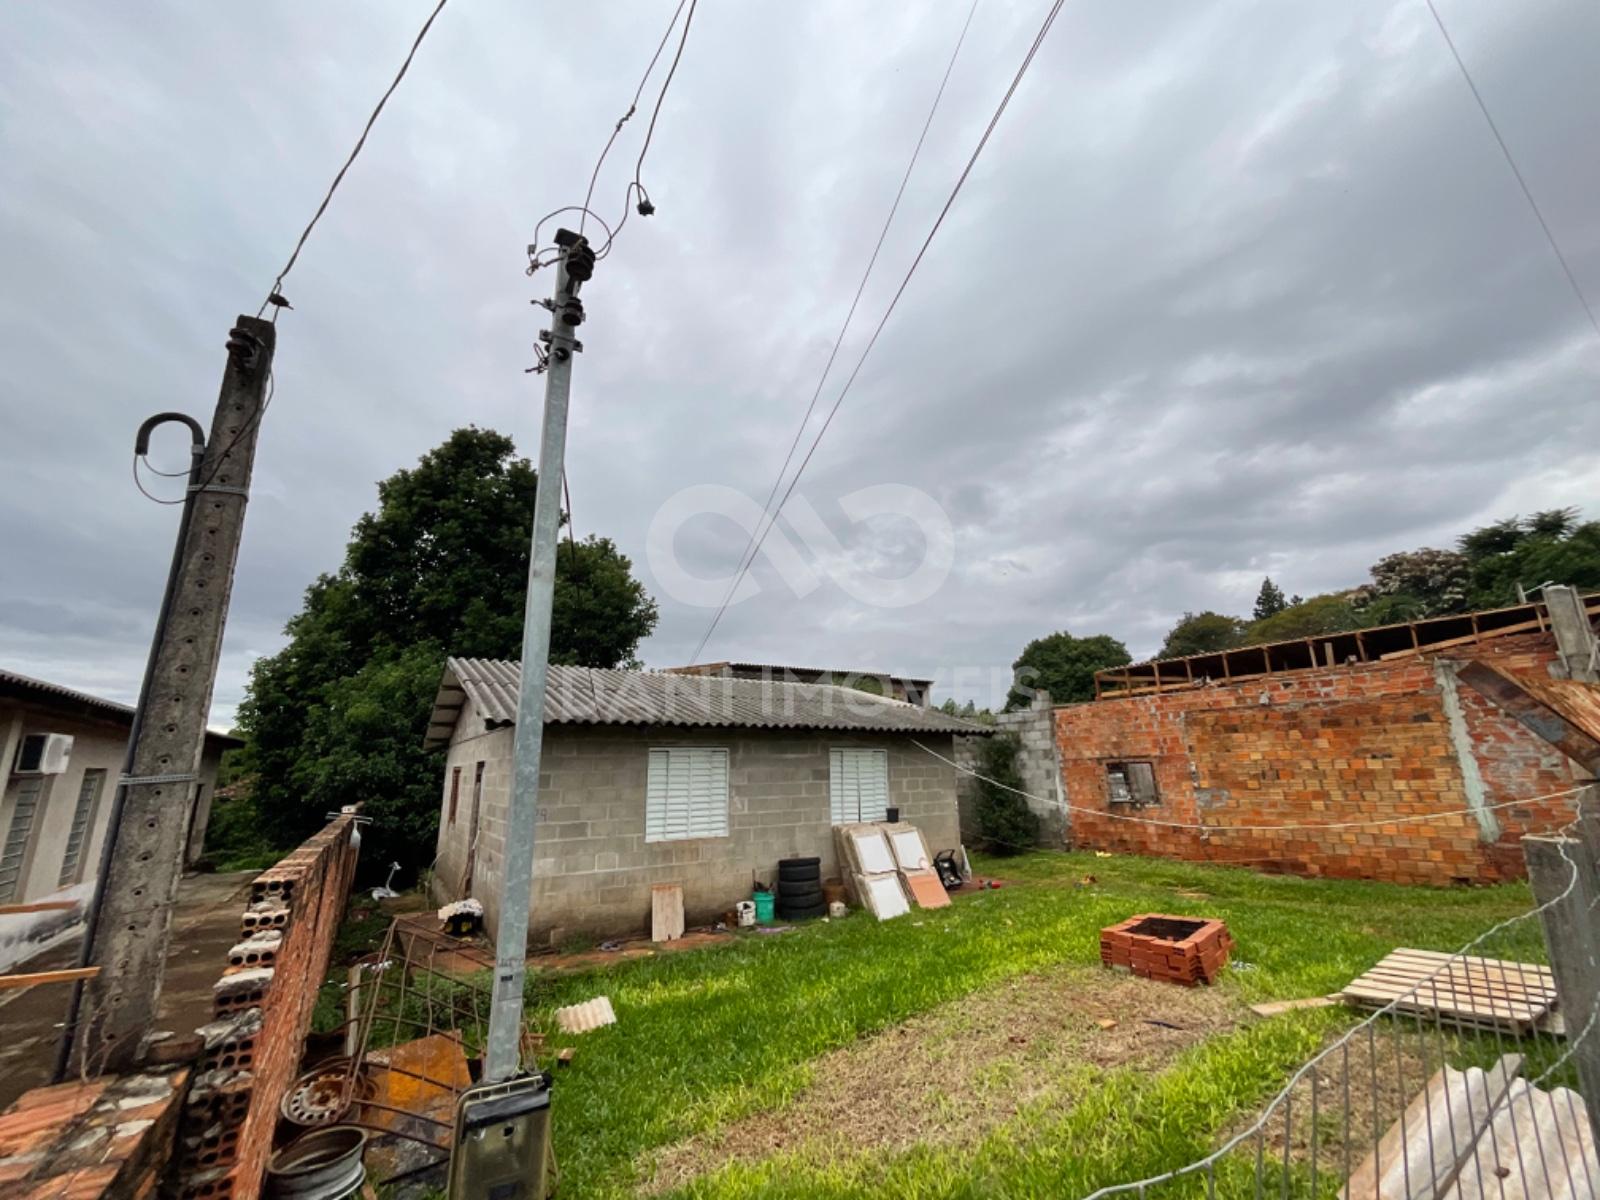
<point>707,1037</point>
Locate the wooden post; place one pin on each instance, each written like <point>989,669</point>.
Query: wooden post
<point>1570,934</point>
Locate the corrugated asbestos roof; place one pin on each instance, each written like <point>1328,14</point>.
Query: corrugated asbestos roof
<point>25,687</point>
<point>775,669</point>
<point>583,696</point>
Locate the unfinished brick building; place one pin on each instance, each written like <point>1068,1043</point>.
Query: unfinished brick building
<point>1383,726</point>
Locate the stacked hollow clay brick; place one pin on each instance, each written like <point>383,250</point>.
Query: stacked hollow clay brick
<point>1186,950</point>
<point>263,1005</point>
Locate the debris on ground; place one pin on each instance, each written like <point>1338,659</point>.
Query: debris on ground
<point>581,1018</point>
<point>1276,1007</point>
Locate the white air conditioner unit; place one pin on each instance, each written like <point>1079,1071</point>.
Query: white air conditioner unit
<point>44,753</point>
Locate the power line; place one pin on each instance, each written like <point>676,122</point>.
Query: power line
<point>1515,170</point>
<point>542,257</point>
<point>1044,29</point>
<point>750,542</point>
<point>277,284</point>
<point>645,207</point>
<point>588,196</point>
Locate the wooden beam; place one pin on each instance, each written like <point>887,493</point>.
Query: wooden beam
<point>1524,627</point>
<point>38,906</point>
<point>68,975</point>
<point>1577,744</point>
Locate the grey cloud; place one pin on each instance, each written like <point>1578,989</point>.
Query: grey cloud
<point>1237,288</point>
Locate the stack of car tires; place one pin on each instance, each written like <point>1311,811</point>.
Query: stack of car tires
<point>800,889</point>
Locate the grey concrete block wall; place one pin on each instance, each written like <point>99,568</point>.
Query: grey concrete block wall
<point>592,865</point>
<point>1038,764</point>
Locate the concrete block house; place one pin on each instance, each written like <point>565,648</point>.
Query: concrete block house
<point>706,781</point>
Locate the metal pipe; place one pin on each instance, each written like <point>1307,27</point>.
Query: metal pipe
<point>502,1056</point>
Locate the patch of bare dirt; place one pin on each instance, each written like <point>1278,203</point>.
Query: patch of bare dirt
<point>952,1074</point>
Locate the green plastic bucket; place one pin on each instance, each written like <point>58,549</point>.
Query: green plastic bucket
<point>764,902</point>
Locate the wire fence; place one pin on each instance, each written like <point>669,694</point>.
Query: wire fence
<point>1462,1082</point>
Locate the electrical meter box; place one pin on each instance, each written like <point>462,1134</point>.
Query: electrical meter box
<point>502,1141</point>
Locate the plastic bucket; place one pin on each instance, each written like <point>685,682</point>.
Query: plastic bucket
<point>764,902</point>
<point>747,913</point>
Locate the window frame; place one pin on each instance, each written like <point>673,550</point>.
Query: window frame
<point>455,795</point>
<point>17,889</point>
<point>838,816</point>
<point>694,828</point>
<point>1133,798</point>
<point>89,806</point>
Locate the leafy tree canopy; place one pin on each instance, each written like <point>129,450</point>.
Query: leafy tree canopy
<point>968,711</point>
<point>1568,553</point>
<point>1204,633</point>
<point>338,715</point>
<point>1329,613</point>
<point>1064,666</point>
<point>1269,600</point>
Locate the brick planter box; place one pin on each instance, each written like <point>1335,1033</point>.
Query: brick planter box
<point>1186,950</point>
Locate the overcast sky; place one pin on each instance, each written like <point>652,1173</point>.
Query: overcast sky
<point>1236,289</point>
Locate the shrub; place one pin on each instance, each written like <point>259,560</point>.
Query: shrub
<point>1006,825</point>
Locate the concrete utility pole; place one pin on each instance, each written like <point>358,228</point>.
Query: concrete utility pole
<point>502,1057</point>
<point>130,922</point>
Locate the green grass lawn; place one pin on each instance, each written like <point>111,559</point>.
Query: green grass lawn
<point>706,1038</point>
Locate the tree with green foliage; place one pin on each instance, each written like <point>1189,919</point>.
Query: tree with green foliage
<point>1006,825</point>
<point>1064,666</point>
<point>1330,613</point>
<point>1427,582</point>
<point>338,715</point>
<point>1548,547</point>
<point>1203,633</point>
<point>1269,600</point>
<point>967,712</point>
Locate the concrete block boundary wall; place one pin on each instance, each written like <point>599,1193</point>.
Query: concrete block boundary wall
<point>1034,729</point>
<point>262,1005</point>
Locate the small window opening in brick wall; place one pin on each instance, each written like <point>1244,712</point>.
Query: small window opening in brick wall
<point>1131,783</point>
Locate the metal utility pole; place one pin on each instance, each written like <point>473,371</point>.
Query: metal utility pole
<point>130,919</point>
<point>503,1054</point>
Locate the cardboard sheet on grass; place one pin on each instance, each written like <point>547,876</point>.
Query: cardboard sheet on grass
<point>886,865</point>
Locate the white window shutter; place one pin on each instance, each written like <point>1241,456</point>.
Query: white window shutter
<point>686,794</point>
<point>858,785</point>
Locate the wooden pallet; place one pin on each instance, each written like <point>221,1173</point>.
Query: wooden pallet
<point>1482,992</point>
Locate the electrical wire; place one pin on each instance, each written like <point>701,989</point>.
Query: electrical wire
<point>277,284</point>
<point>1027,61</point>
<point>139,483</point>
<point>253,422</point>
<point>633,107</point>
<point>635,184</point>
<point>750,542</point>
<point>538,256</point>
<point>1511,162</point>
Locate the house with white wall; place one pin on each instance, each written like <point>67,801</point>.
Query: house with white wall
<point>61,754</point>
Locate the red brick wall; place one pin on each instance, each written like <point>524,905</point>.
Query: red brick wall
<point>1363,742</point>
<point>264,1001</point>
